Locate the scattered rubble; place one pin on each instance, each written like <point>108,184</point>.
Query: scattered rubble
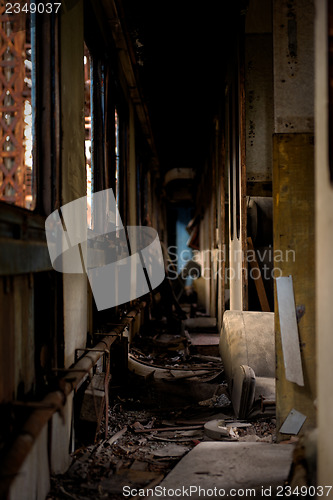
<point>143,446</point>
<point>216,401</point>
<point>155,420</point>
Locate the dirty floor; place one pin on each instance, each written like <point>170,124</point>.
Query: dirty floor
<point>173,389</point>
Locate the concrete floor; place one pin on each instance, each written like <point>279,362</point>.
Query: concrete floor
<point>239,470</point>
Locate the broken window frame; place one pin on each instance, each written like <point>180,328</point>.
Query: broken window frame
<point>89,130</point>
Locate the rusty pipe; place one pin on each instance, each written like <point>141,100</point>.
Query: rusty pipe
<point>12,461</point>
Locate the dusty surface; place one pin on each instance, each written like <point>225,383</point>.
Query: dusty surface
<point>153,423</point>
<point>221,469</point>
<point>136,454</point>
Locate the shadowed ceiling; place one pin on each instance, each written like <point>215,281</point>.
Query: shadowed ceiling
<point>181,49</point>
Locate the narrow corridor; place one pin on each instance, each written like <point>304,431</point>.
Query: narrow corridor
<point>166,235</point>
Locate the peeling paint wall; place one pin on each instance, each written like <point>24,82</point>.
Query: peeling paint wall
<point>293,66</point>
<point>259,91</point>
<point>259,107</point>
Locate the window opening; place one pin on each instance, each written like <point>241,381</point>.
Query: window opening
<point>88,124</point>
<point>17,108</point>
<point>117,158</point>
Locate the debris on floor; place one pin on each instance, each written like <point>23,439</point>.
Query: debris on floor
<point>172,392</point>
<point>216,401</point>
<point>143,446</point>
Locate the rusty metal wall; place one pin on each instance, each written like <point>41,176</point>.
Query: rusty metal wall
<point>15,94</point>
<point>259,109</point>
<point>17,364</point>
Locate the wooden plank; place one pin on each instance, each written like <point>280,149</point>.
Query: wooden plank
<point>258,280</point>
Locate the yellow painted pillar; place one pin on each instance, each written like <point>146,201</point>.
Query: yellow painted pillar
<point>293,192</point>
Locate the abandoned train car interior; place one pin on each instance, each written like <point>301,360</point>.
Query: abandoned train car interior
<point>166,235</point>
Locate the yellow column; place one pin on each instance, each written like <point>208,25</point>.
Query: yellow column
<point>293,191</point>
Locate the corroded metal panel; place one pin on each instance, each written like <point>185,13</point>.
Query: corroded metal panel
<point>15,110</point>
<point>259,107</point>
<point>17,363</point>
<point>293,24</point>
<point>7,342</point>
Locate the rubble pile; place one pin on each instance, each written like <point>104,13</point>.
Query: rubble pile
<point>172,394</point>
<point>143,446</point>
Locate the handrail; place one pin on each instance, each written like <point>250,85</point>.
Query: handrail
<point>54,401</point>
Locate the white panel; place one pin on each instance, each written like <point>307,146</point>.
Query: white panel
<point>293,423</point>
<point>289,330</point>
